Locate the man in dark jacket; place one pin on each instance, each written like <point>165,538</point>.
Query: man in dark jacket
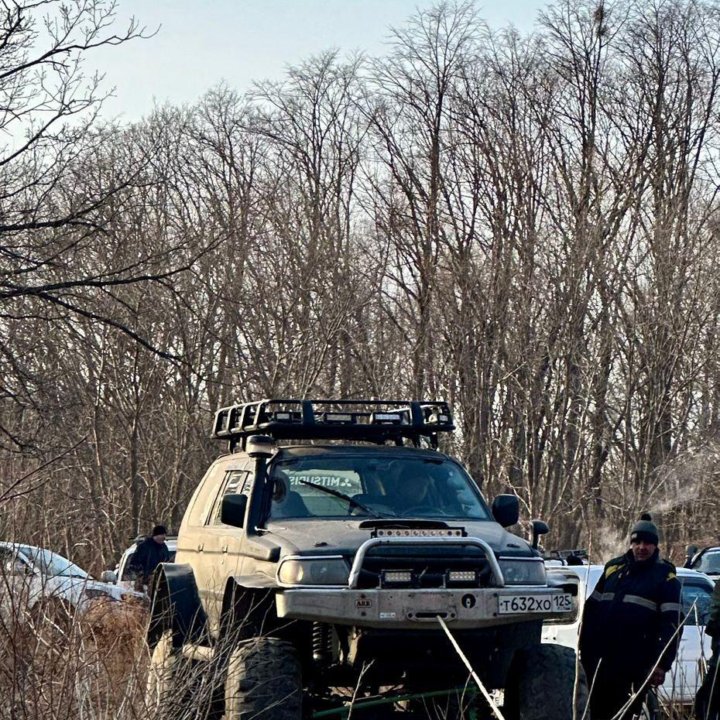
<point>629,633</point>
<point>707,701</point>
<point>149,554</point>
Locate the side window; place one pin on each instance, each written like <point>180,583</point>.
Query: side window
<point>235,482</point>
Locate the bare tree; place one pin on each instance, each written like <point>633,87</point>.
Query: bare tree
<point>410,121</point>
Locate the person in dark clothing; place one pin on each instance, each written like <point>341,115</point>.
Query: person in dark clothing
<point>629,633</point>
<point>707,700</point>
<point>149,554</point>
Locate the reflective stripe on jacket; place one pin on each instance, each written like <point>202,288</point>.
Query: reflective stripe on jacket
<point>632,616</point>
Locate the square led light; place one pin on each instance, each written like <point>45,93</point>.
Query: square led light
<point>457,576</point>
<point>391,418</point>
<point>283,416</point>
<point>397,576</point>
<point>338,418</point>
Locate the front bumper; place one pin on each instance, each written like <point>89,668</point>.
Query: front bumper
<point>461,608</point>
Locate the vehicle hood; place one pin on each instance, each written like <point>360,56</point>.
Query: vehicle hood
<point>346,536</point>
<point>77,590</point>
<point>684,679</point>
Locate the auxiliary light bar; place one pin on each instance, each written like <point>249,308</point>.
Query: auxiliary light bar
<point>377,421</point>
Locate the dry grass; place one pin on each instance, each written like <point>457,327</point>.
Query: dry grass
<point>58,665</point>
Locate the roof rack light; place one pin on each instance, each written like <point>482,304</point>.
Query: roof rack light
<point>377,421</point>
<point>345,418</point>
<point>386,417</point>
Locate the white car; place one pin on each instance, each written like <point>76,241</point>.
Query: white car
<point>121,575</point>
<point>682,683</point>
<point>31,575</point>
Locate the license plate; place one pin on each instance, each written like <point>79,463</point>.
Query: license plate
<point>518,604</point>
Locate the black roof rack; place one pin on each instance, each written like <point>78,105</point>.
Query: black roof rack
<point>375,421</point>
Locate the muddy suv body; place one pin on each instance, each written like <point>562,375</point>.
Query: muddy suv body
<point>336,547</point>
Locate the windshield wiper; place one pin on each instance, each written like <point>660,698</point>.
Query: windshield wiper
<point>336,493</point>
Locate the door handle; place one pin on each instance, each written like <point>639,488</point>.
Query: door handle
<point>201,547</point>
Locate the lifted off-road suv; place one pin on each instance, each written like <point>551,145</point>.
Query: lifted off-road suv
<point>336,551</point>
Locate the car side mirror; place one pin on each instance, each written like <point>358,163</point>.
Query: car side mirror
<point>18,567</point>
<point>232,510</point>
<point>108,576</point>
<point>539,527</point>
<point>506,509</point>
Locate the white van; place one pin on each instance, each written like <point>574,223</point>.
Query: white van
<point>682,683</point>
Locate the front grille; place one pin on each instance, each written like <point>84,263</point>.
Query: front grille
<point>424,567</point>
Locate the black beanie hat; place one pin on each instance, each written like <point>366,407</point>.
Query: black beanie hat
<point>159,530</point>
<point>645,530</point>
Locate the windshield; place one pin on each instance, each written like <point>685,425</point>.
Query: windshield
<point>696,597</point>
<point>709,563</point>
<point>51,564</point>
<point>374,486</point>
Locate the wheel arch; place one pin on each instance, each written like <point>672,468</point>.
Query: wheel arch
<point>248,599</point>
<point>175,605</point>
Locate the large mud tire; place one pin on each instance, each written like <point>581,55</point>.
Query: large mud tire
<point>263,681</point>
<point>542,685</point>
<point>167,692</point>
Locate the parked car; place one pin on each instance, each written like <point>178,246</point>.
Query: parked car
<point>706,561</point>
<point>122,575</point>
<point>683,682</point>
<point>30,576</point>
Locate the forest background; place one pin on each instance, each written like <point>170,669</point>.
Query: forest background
<point>524,225</point>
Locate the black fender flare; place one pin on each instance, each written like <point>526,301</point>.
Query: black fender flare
<point>175,605</point>
<point>246,595</point>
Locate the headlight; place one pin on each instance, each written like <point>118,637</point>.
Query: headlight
<point>135,598</point>
<point>521,571</point>
<point>329,570</point>
<point>94,593</point>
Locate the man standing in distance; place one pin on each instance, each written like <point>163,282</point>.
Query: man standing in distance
<point>629,633</point>
<point>149,554</point>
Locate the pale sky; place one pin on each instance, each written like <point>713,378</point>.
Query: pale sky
<point>201,43</point>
